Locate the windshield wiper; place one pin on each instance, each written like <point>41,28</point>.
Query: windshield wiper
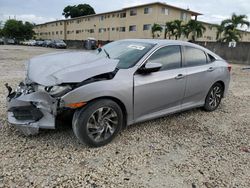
<point>107,54</point>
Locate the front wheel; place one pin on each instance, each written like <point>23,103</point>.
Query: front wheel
<point>98,123</point>
<point>214,97</point>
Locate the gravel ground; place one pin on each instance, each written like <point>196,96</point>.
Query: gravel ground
<point>189,149</point>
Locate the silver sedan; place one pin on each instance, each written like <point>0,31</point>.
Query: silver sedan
<point>122,83</point>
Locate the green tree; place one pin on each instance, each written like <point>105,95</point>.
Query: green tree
<point>16,29</point>
<point>220,29</point>
<point>236,21</point>
<point>231,35</point>
<point>169,30</point>
<point>195,28</point>
<point>178,28</point>
<point>173,28</point>
<point>230,26</point>
<point>155,30</point>
<point>78,10</point>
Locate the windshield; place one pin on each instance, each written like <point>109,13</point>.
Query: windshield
<point>127,52</point>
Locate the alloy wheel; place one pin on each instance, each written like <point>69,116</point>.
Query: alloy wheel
<point>215,96</point>
<point>102,124</point>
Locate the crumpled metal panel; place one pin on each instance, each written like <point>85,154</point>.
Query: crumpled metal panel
<point>46,104</point>
<point>68,67</point>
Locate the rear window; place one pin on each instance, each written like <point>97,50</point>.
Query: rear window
<point>194,57</point>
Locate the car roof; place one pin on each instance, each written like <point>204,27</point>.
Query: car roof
<point>161,42</point>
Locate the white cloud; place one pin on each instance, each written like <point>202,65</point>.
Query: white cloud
<point>26,17</point>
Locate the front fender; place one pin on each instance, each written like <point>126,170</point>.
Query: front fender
<point>119,88</point>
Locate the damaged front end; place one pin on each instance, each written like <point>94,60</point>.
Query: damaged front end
<point>30,108</point>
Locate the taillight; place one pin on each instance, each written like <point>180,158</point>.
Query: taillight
<point>229,67</point>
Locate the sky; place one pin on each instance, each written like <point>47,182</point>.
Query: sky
<point>40,11</point>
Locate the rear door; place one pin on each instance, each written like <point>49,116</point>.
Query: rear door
<point>158,93</point>
<point>200,76</point>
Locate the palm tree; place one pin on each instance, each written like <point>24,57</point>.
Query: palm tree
<point>173,28</point>
<point>195,28</point>
<point>231,34</point>
<point>178,28</point>
<point>169,30</point>
<point>156,28</point>
<point>220,29</point>
<point>230,27</point>
<point>236,21</point>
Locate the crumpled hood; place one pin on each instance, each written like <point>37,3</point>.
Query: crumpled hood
<point>67,67</point>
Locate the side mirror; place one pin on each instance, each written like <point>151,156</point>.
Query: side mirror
<point>150,67</point>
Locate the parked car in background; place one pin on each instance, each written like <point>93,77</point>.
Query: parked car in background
<point>31,42</point>
<point>122,83</point>
<point>90,44</point>
<point>58,44</point>
<point>1,42</point>
<point>47,43</point>
<point>39,43</point>
<point>11,41</point>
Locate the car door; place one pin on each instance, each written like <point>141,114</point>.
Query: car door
<point>160,92</point>
<point>200,76</point>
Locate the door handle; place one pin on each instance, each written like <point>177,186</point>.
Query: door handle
<point>179,76</point>
<point>210,69</point>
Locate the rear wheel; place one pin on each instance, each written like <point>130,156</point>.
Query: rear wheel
<point>214,97</point>
<point>98,123</point>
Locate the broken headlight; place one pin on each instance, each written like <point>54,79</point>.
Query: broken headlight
<point>57,91</point>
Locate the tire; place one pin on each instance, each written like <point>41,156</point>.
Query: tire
<point>98,123</point>
<point>214,97</point>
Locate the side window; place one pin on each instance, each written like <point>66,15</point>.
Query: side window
<point>194,57</point>
<point>169,57</point>
<point>210,58</point>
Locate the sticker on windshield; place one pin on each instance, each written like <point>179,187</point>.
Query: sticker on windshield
<point>137,47</point>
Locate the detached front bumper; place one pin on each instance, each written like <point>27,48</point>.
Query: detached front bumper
<point>31,111</point>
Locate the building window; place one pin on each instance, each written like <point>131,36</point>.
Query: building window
<point>113,28</point>
<point>165,11</point>
<point>132,28</point>
<point>56,32</point>
<point>184,16</point>
<point>133,12</point>
<point>91,30</point>
<point>101,18</point>
<point>113,15</point>
<point>148,10</point>
<point>78,31</point>
<point>122,29</point>
<point>123,15</point>
<point>146,27</point>
<point>102,30</point>
<point>61,23</point>
<point>56,24</point>
<point>61,32</point>
<point>53,33</point>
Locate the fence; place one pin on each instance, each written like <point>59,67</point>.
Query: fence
<point>240,54</point>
